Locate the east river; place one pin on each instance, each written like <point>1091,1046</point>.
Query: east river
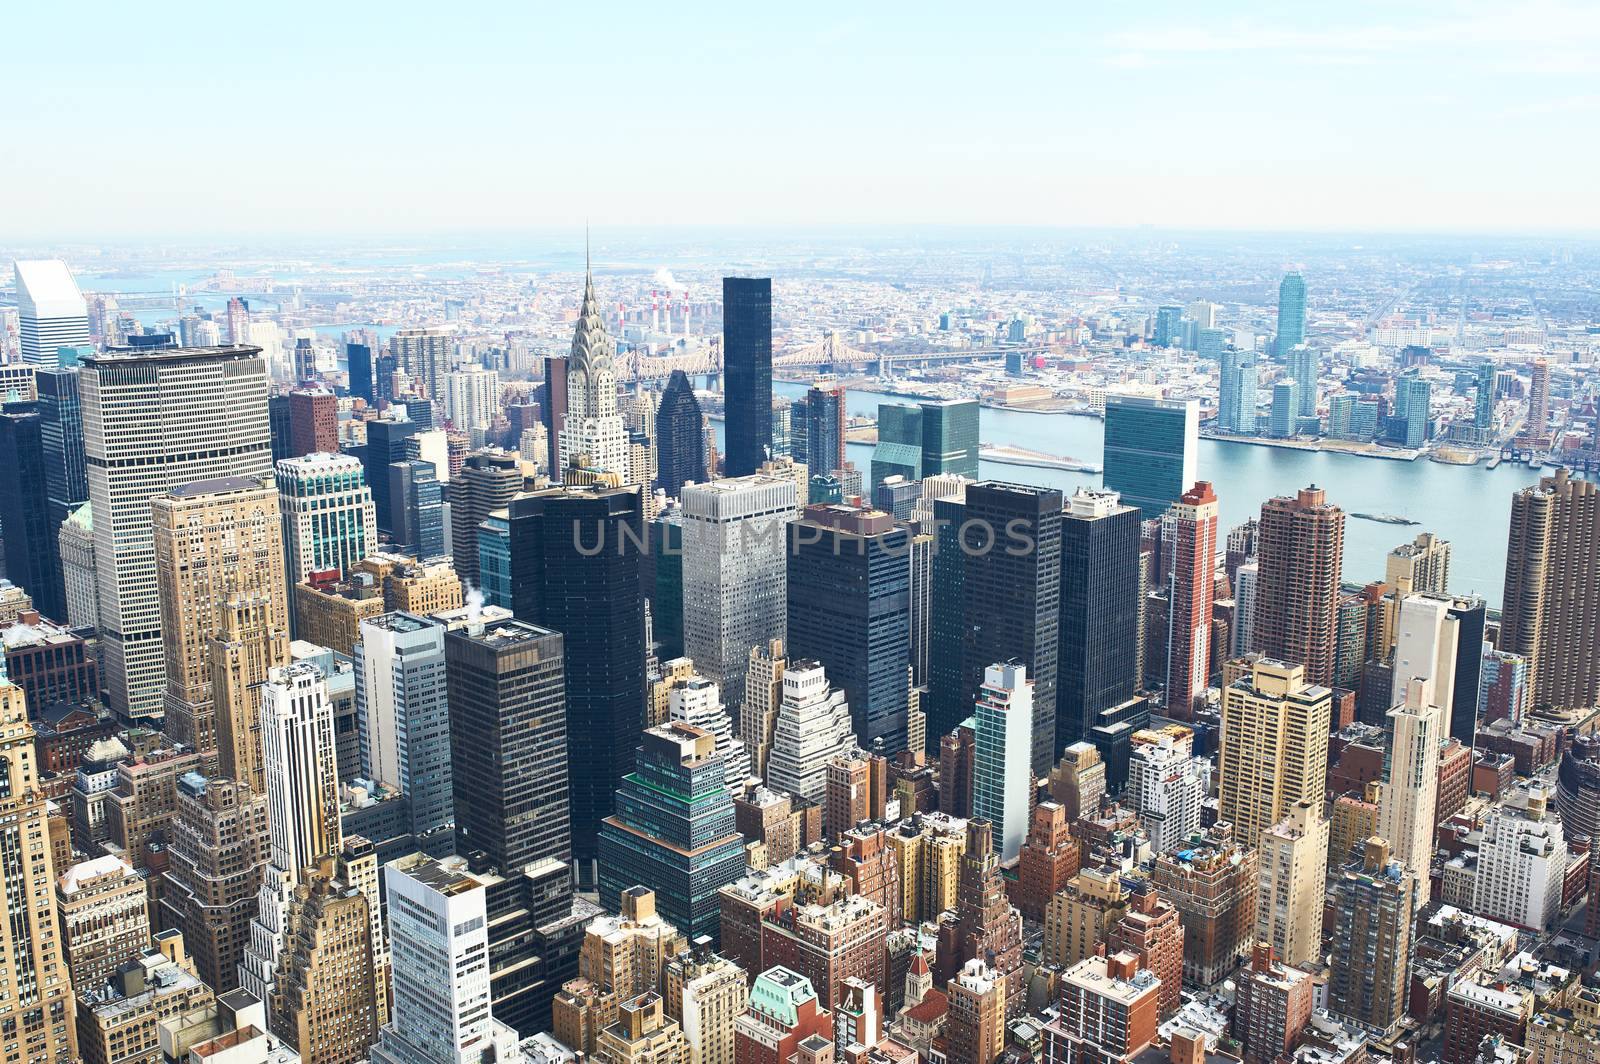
<point>1468,505</point>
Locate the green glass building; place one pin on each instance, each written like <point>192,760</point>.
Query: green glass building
<point>899,448</point>
<point>674,830</point>
<point>950,437</point>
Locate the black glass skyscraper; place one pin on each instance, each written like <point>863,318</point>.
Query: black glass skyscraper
<point>420,411</point>
<point>280,424</point>
<point>1099,633</point>
<point>1012,595</point>
<point>1469,614</point>
<point>416,499</point>
<point>680,437</point>
<point>577,568</point>
<point>386,445</point>
<point>383,378</point>
<point>664,584</point>
<point>508,755</point>
<point>359,358</point>
<point>508,743</point>
<point>61,429</point>
<point>32,558</point>
<point>945,705</point>
<point>747,367</point>
<point>849,580</point>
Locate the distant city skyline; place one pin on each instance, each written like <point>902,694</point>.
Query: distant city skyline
<point>1257,117</point>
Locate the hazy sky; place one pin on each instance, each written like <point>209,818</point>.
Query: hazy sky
<point>191,119</point>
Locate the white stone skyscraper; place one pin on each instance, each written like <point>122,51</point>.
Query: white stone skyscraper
<point>813,728</point>
<point>51,311</point>
<point>696,700</point>
<point>438,929</point>
<point>1522,860</point>
<point>403,716</point>
<point>152,420</point>
<point>1407,801</point>
<point>1166,787</point>
<point>593,428</point>
<point>1244,609</point>
<point>473,398</point>
<point>302,781</point>
<point>1002,755</point>
<point>735,581</point>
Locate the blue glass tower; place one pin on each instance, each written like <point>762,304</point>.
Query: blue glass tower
<point>1291,313</point>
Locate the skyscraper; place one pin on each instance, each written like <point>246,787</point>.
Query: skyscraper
<point>1274,746</point>
<point>1002,726</point>
<point>51,311</point>
<point>1099,624</point>
<point>473,398</point>
<point>811,728</point>
<point>325,996</point>
<point>214,540</point>
<point>824,422</point>
<point>403,718</point>
<point>1011,597</point>
<point>32,557</point>
<point>1410,794</point>
<point>849,608</point>
<point>592,429</point>
<point>1535,433</point>
<point>734,573</point>
<point>66,474</point>
<point>950,437</point>
<point>1291,313</point>
<point>1236,406</point>
<point>488,481</point>
<point>1483,402</point>
<point>1294,872</point>
<point>1421,565</point>
<point>329,521</point>
<point>386,445</point>
<point>416,505</point>
<point>1151,450</point>
<point>680,437</point>
<point>1189,536</point>
<point>508,741</point>
<point>423,355</point>
<point>36,991</point>
<point>251,639</point>
<point>577,568</point>
<point>313,421</point>
<point>1301,547</point>
<point>1411,402</point>
<point>302,808</point>
<point>1551,614</point>
<point>747,361</point>
<point>1373,900</point>
<point>673,830</point>
<point>438,930</point>
<point>898,451</point>
<point>1283,420</point>
<point>1166,787</point>
<point>155,419</point>
<point>359,359</point>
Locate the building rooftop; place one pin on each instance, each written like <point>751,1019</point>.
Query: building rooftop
<point>215,486</point>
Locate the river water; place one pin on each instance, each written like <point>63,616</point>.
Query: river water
<point>1468,505</point>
